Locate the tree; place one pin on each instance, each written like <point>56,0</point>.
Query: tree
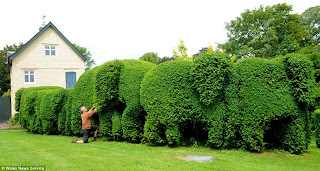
<point>181,52</point>
<point>87,54</point>
<point>4,73</point>
<point>208,50</point>
<point>311,19</point>
<point>151,57</point>
<point>7,94</point>
<point>265,32</point>
<point>165,59</point>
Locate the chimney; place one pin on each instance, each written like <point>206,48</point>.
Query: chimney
<point>9,53</point>
<point>42,26</point>
<point>8,61</point>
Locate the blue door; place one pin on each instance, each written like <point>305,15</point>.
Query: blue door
<point>70,79</point>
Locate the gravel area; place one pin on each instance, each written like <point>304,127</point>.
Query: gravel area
<point>6,126</point>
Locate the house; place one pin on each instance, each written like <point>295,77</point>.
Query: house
<point>47,59</point>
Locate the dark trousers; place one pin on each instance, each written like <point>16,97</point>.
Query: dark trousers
<point>86,133</point>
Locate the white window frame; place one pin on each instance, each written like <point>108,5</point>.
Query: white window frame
<point>50,48</point>
<point>29,74</point>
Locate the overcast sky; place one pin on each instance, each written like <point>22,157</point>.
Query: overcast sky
<point>126,29</point>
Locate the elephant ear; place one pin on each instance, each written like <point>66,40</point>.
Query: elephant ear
<point>210,76</point>
<point>107,85</point>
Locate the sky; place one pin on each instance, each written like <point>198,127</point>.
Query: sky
<point>127,29</point>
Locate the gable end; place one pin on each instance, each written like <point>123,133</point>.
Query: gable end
<point>39,33</point>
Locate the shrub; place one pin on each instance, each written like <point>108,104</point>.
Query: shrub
<point>14,120</point>
<point>18,99</point>
<point>301,74</point>
<point>114,88</point>
<point>116,126</point>
<point>37,123</point>
<point>265,106</point>
<point>210,76</point>
<point>317,126</point>
<point>50,107</point>
<point>97,86</point>
<point>263,96</point>
<point>170,100</point>
<point>64,120</point>
<point>252,104</point>
<point>133,117</point>
<point>313,53</point>
<point>28,106</point>
<point>107,96</point>
<point>7,94</point>
<point>83,96</point>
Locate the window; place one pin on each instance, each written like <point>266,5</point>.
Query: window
<point>28,76</point>
<point>50,50</point>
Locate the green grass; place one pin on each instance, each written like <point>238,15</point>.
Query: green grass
<point>56,152</point>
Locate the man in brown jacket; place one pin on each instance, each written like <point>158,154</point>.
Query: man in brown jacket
<point>86,124</point>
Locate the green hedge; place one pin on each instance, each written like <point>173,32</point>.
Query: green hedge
<point>259,98</point>
<point>317,126</point>
<point>107,98</point>
<point>27,107</point>
<point>29,116</point>
<point>97,86</point>
<point>210,76</point>
<point>172,105</point>
<point>84,93</point>
<point>114,88</point>
<point>253,104</point>
<point>64,119</point>
<point>301,72</point>
<point>133,117</point>
<point>18,99</point>
<point>44,109</point>
<point>50,107</point>
<point>37,122</point>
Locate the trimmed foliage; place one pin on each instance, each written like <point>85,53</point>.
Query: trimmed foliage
<point>36,126</point>
<point>172,105</point>
<point>116,126</point>
<point>316,115</point>
<point>259,98</point>
<point>133,117</point>
<point>83,96</point>
<point>18,99</point>
<point>114,88</point>
<point>210,76</point>
<point>301,74</point>
<point>252,104</point>
<point>29,116</point>
<point>50,107</point>
<point>107,94</point>
<point>64,120</point>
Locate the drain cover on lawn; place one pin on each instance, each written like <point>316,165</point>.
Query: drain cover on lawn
<point>198,158</point>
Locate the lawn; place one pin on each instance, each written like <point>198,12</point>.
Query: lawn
<point>56,152</point>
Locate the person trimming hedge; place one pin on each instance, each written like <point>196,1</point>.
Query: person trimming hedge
<point>87,128</point>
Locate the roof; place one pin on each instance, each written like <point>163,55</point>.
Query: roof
<point>41,31</point>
